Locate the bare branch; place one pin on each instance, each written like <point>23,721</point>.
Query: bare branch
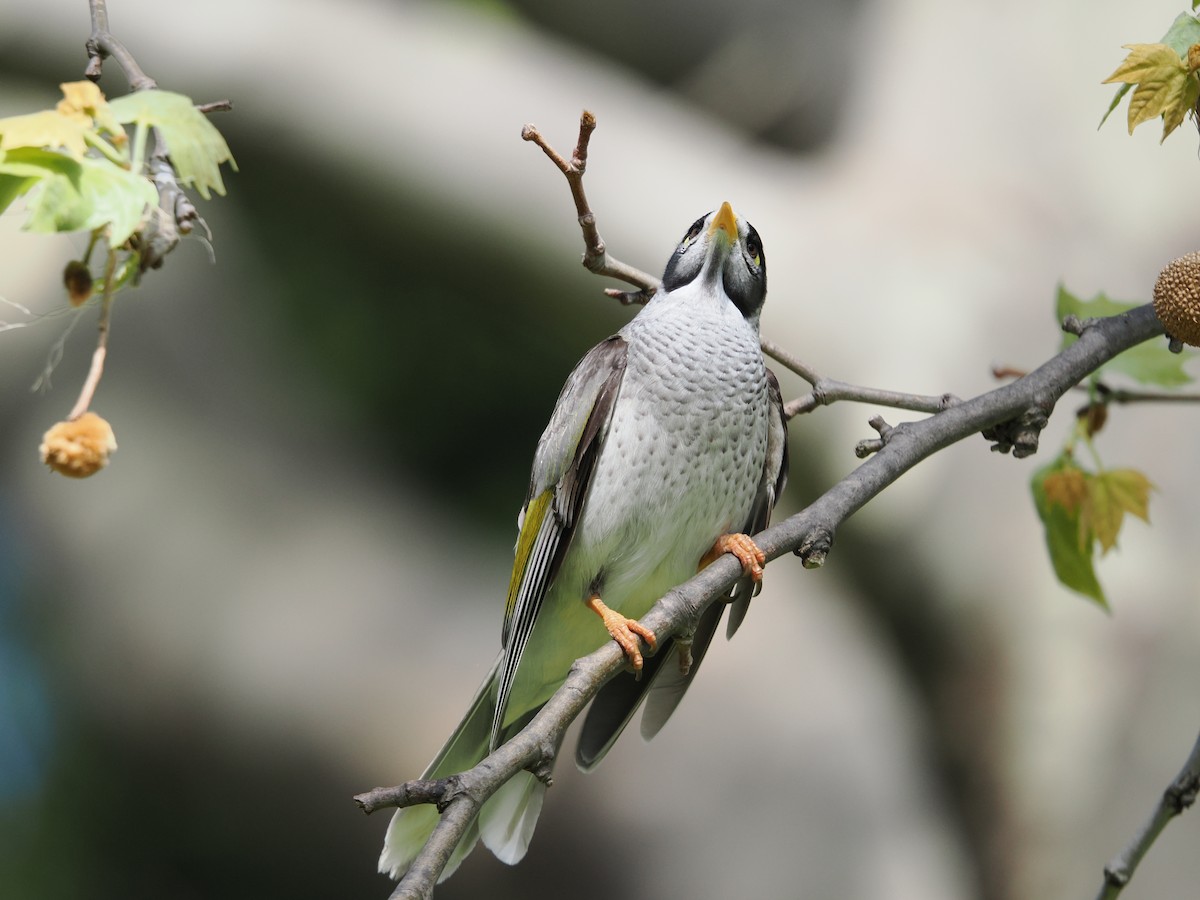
<point>215,106</point>
<point>424,790</point>
<point>808,534</point>
<point>595,257</point>
<point>102,44</point>
<point>1178,796</point>
<point>828,390</point>
<point>1111,395</point>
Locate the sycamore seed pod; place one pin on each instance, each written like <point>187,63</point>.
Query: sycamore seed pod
<point>80,447</point>
<point>1177,298</point>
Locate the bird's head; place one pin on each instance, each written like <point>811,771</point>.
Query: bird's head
<point>722,250</point>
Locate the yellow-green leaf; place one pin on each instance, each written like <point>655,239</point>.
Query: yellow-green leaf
<point>1110,496</point>
<point>48,128</point>
<point>1102,513</point>
<point>1183,33</point>
<point>1161,76</point>
<point>1181,106</point>
<point>196,148</point>
<point>1130,490</point>
<point>83,98</point>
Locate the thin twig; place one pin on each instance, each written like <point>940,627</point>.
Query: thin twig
<point>97,368</point>
<point>102,44</point>
<point>829,390</point>
<point>595,257</point>
<point>410,793</point>
<point>1175,799</point>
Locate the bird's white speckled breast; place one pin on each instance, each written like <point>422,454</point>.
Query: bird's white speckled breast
<point>684,452</point>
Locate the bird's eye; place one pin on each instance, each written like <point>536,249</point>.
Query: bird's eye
<point>754,250</point>
<point>692,234</point>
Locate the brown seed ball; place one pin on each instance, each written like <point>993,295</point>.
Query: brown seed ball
<point>1177,298</point>
<point>80,447</point>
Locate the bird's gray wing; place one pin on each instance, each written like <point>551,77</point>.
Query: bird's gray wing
<point>562,470</point>
<point>615,704</point>
<point>770,489</point>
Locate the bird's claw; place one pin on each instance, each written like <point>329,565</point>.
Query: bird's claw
<point>624,631</point>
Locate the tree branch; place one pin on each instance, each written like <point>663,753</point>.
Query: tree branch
<point>102,44</point>
<point>595,256</point>
<point>1178,796</point>
<point>809,534</point>
<point>828,390</point>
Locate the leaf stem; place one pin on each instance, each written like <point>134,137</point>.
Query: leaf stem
<point>97,369</point>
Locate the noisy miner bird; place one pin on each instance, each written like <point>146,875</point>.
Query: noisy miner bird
<point>666,449</point>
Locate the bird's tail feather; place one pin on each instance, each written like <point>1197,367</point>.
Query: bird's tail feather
<point>506,821</point>
<point>661,686</point>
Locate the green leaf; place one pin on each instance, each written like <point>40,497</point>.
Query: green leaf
<point>1071,557</point>
<point>1184,32</point>
<point>12,187</point>
<point>1149,362</point>
<point>80,194</point>
<point>195,146</point>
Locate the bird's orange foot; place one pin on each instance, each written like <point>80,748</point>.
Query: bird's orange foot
<point>741,546</point>
<point>624,631</point>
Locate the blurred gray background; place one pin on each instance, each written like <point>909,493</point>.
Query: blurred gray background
<point>288,583</point>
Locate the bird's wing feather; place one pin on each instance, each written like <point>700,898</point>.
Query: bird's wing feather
<point>660,681</point>
<point>770,489</point>
<point>562,469</point>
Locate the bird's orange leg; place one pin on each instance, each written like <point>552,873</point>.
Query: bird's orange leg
<point>624,631</point>
<point>741,546</point>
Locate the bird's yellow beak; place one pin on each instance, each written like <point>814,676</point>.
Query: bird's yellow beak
<point>724,221</point>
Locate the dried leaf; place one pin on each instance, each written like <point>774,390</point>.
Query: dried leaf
<point>1066,487</point>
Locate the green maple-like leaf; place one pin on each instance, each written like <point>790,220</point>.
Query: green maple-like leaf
<point>1070,556</point>
<point>68,194</point>
<point>1150,362</point>
<point>196,147</point>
